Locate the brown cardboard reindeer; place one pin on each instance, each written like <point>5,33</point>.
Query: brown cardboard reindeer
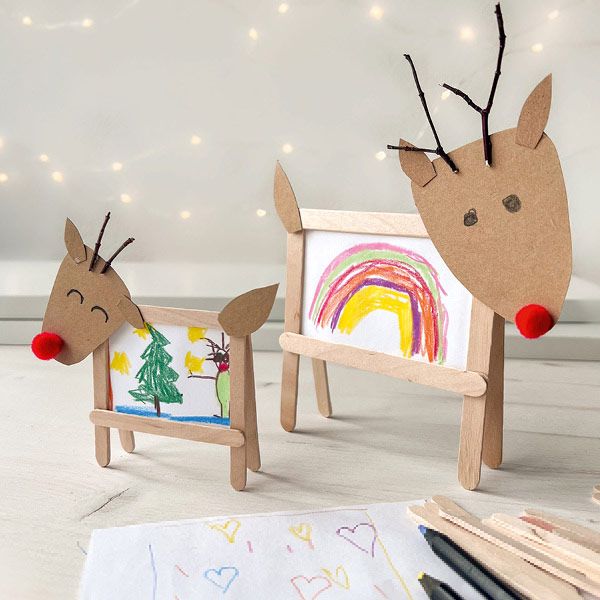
<point>89,302</point>
<point>500,221</point>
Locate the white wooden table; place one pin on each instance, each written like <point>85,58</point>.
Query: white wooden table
<point>388,441</point>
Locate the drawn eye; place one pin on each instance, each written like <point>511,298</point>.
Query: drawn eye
<point>512,203</point>
<point>74,291</point>
<point>101,309</point>
<point>470,217</point>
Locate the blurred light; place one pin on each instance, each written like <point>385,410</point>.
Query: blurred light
<point>126,198</point>
<point>553,15</point>
<point>467,34</point>
<point>27,21</point>
<point>44,158</point>
<point>287,148</point>
<point>261,212</point>
<point>283,8</point>
<point>420,134</point>
<point>3,177</point>
<point>1,143</point>
<point>376,12</point>
<point>87,23</point>
<point>253,34</point>
<point>58,176</point>
<point>537,47</point>
<point>445,94</point>
<point>195,140</point>
<point>117,166</point>
<point>380,155</point>
<point>185,214</point>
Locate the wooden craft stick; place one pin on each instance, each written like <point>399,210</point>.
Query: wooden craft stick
<point>100,362</point>
<point>514,571</point>
<point>237,410</point>
<point>596,497</point>
<point>127,440</point>
<point>322,387</point>
<point>180,316</point>
<point>593,537</point>
<point>252,447</point>
<point>450,511</point>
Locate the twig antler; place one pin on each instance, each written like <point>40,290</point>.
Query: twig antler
<point>119,250</point>
<point>98,242</point>
<point>485,112</point>
<point>439,150</point>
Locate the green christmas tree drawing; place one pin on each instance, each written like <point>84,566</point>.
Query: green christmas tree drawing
<point>156,378</point>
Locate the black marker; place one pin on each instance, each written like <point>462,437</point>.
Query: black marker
<point>436,589</point>
<point>466,566</point>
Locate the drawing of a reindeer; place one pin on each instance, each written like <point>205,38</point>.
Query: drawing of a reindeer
<point>499,218</point>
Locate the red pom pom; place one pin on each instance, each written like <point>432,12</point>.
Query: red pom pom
<point>223,367</point>
<point>46,345</point>
<point>533,321</point>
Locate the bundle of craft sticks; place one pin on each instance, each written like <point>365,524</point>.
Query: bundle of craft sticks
<point>538,554</point>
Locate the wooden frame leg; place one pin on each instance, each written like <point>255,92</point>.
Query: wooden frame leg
<point>494,414</point>
<point>471,441</point>
<point>252,447</point>
<point>289,390</point>
<point>102,440</point>
<point>237,411</point>
<point>127,440</point>
<point>322,387</point>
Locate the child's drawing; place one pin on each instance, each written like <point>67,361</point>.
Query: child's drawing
<point>172,372</point>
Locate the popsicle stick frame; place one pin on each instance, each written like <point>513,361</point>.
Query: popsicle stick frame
<point>237,320</point>
<point>330,316</point>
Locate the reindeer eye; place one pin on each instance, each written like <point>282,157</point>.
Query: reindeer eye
<point>74,291</point>
<point>470,217</point>
<point>101,309</point>
<point>512,203</point>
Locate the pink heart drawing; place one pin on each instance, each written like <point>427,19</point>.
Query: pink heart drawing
<point>309,588</point>
<point>361,536</point>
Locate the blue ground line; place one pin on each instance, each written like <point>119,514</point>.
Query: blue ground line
<point>145,412</point>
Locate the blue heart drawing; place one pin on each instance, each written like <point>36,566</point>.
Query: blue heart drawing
<point>223,577</point>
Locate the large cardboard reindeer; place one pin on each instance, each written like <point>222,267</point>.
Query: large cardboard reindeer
<point>499,217</point>
<point>89,303</point>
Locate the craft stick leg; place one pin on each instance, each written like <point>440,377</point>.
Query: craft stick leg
<point>322,387</point>
<point>127,440</point>
<point>102,439</point>
<point>494,412</point>
<point>237,412</point>
<point>100,360</point>
<point>252,447</point>
<point>289,390</point>
<point>471,441</point>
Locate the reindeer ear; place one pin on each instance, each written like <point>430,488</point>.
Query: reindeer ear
<point>247,313</point>
<point>74,243</point>
<point>416,165</point>
<point>534,114</point>
<point>131,312</point>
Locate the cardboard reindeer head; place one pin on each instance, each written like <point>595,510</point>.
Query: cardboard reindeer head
<point>88,303</point>
<point>501,225</point>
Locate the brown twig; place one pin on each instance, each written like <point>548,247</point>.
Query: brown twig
<point>485,112</point>
<point>119,250</point>
<point>98,242</point>
<point>439,149</point>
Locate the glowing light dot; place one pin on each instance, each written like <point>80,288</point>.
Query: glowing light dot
<point>283,8</point>
<point>44,158</point>
<point>27,21</point>
<point>195,140</point>
<point>87,23</point>
<point>553,15</point>
<point>287,148</point>
<point>538,47</point>
<point>466,34</point>
<point>117,166</point>
<point>58,176</point>
<point>126,198</point>
<point>445,94</point>
<point>376,12</point>
<point>3,177</point>
<point>253,34</point>
<point>261,212</point>
<point>380,155</point>
<point>1,143</point>
<point>185,214</point>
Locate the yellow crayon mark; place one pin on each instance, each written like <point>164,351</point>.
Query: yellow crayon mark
<point>229,529</point>
<point>303,531</point>
<point>194,363</point>
<point>142,331</point>
<point>120,363</point>
<point>196,333</point>
<point>340,578</point>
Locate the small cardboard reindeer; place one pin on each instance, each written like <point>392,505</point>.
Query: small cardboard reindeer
<point>89,303</point>
<point>499,218</point>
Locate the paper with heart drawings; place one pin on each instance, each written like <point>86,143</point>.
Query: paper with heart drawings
<point>372,551</point>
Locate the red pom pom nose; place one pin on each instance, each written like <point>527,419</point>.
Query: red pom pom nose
<point>533,321</point>
<point>46,345</point>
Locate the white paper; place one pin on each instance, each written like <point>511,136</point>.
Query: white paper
<point>374,551</point>
<point>380,281</point>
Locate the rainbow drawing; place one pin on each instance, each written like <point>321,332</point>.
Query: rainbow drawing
<point>378,276</point>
